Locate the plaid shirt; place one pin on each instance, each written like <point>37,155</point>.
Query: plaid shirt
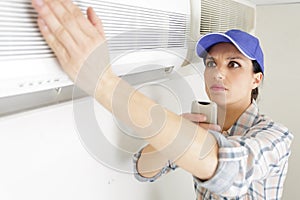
<point>253,161</point>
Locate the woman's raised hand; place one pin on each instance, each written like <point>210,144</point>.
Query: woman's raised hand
<point>70,35</point>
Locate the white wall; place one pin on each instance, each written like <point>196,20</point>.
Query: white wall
<point>43,156</point>
<point>278,28</point>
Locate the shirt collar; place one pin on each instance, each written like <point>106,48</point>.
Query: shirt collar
<point>246,120</point>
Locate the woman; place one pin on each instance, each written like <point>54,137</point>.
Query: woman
<point>245,157</point>
<point>258,146</point>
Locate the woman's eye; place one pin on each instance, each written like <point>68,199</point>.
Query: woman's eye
<point>234,64</point>
<point>210,64</point>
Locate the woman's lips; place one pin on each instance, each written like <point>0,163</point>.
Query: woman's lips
<point>218,88</point>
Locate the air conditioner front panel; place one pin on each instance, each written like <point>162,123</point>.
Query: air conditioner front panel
<point>136,31</point>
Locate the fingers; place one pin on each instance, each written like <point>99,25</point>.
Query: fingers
<point>213,127</point>
<point>194,117</point>
<point>50,39</point>
<point>71,36</point>
<point>86,26</point>
<point>200,119</point>
<point>66,21</point>
<point>97,23</point>
<point>57,35</point>
<point>68,24</point>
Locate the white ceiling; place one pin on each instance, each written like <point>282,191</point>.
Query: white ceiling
<point>265,2</point>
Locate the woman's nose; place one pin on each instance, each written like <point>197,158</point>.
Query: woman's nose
<point>219,74</point>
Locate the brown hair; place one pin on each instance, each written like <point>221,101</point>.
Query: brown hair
<point>256,69</point>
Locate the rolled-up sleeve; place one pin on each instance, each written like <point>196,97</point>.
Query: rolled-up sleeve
<point>228,166</point>
<point>169,166</point>
<point>244,159</point>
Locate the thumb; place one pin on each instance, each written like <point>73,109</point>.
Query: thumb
<point>95,20</point>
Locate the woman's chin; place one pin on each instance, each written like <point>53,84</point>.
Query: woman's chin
<point>219,100</point>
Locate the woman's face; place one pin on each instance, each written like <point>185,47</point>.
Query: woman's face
<point>229,76</point>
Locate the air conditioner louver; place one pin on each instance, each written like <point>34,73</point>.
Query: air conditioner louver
<point>19,35</point>
<point>132,27</point>
<point>222,15</point>
<point>127,28</point>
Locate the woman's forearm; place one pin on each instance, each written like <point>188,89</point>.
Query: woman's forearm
<point>171,136</point>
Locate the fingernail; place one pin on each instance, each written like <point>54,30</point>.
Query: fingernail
<point>39,2</point>
<point>42,24</point>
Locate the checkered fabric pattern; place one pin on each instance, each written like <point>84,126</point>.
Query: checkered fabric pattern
<point>253,161</point>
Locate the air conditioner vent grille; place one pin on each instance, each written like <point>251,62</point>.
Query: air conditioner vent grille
<point>127,28</point>
<point>222,15</point>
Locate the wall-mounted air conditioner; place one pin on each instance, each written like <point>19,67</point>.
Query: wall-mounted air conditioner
<point>142,35</point>
<point>148,40</point>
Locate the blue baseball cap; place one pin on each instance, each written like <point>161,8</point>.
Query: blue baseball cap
<point>247,44</point>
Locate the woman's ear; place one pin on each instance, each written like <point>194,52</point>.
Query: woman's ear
<point>257,79</point>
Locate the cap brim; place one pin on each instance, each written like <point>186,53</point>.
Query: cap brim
<point>211,39</point>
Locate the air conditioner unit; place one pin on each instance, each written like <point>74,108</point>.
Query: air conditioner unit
<point>148,40</point>
<point>142,36</point>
